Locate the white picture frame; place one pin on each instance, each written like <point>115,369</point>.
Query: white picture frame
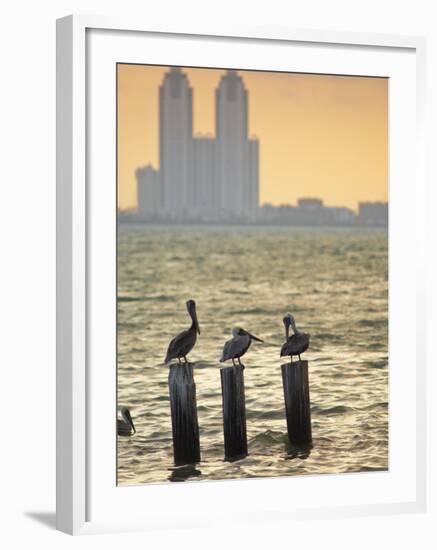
<point>76,311</point>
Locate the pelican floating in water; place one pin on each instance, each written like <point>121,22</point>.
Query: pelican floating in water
<point>295,344</point>
<point>238,345</point>
<point>125,424</point>
<point>186,340</point>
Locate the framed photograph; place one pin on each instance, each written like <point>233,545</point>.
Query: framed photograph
<point>240,275</point>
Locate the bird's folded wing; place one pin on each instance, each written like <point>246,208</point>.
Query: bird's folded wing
<point>227,350</point>
<point>235,347</point>
<point>176,342</point>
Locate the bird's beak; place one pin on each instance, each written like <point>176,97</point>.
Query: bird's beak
<point>196,323</point>
<point>131,422</point>
<point>287,330</point>
<point>255,338</point>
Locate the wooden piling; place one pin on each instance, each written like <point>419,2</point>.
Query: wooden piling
<point>297,402</point>
<point>234,412</point>
<point>186,446</point>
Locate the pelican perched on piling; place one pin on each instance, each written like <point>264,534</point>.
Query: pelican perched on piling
<point>125,424</point>
<point>295,344</point>
<point>186,340</point>
<point>237,346</point>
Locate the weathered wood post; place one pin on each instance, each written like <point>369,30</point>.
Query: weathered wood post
<point>297,402</point>
<point>186,446</point>
<point>234,412</point>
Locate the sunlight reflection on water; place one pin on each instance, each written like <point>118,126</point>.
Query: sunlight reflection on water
<point>335,283</point>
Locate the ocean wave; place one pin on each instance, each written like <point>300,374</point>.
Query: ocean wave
<point>246,277</point>
<point>129,299</point>
<point>337,409</point>
<point>372,323</point>
<point>249,311</point>
<point>265,415</point>
<point>146,298</point>
<point>269,437</point>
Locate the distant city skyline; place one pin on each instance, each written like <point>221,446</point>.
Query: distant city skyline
<point>320,136</point>
<point>201,178</point>
<point>309,211</point>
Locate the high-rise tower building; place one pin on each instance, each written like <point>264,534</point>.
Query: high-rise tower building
<point>176,131</point>
<point>252,184</point>
<point>204,188</point>
<point>202,178</point>
<point>231,135</point>
<point>237,156</point>
<point>149,198</point>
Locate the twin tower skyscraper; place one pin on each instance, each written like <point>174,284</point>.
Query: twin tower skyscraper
<point>202,178</point>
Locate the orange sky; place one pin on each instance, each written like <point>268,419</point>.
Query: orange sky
<point>320,136</point>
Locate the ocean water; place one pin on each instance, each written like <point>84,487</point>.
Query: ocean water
<point>334,281</point>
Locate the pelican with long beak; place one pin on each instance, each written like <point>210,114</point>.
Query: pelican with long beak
<point>238,345</point>
<point>295,344</point>
<point>125,424</point>
<point>186,340</point>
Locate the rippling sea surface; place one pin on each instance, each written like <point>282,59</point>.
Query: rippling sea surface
<point>335,281</point>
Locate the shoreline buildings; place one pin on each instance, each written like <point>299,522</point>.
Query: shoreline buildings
<point>308,212</point>
<point>373,213</point>
<point>215,179</point>
<point>202,178</point>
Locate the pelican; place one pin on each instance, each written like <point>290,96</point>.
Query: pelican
<point>237,346</point>
<point>125,424</point>
<point>295,344</point>
<point>186,340</point>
